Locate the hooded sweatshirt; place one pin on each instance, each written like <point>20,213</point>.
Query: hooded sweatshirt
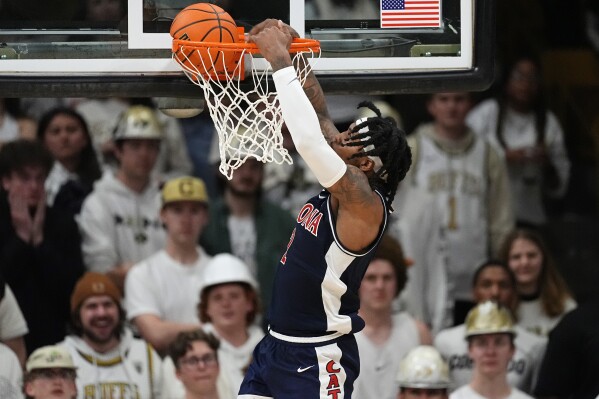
<point>119,225</point>
<point>469,182</point>
<point>132,370</point>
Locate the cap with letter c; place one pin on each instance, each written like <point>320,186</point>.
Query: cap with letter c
<point>184,188</point>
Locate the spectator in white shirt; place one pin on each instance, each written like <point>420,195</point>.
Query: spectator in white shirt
<point>490,335</point>
<point>161,292</point>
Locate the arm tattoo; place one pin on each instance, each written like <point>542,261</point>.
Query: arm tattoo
<point>354,189</point>
<point>280,62</point>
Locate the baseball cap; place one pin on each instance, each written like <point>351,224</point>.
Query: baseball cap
<point>51,356</point>
<point>184,188</point>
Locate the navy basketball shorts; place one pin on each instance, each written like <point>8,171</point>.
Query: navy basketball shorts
<point>285,370</point>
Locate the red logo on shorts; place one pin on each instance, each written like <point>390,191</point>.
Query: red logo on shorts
<point>333,388</point>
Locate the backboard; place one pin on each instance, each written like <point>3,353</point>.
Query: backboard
<point>368,46</point>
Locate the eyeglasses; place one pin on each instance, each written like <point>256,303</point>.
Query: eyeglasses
<point>207,360</point>
<point>50,374</point>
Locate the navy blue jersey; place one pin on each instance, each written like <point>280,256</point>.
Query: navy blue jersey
<point>317,280</point>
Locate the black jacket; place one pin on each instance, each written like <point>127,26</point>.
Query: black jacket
<point>42,278</point>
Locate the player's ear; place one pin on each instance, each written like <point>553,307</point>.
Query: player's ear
<point>366,164</point>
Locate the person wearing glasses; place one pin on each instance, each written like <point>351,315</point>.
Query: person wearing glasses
<point>50,374</point>
<point>195,359</point>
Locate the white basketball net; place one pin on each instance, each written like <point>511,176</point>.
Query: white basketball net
<point>248,122</point>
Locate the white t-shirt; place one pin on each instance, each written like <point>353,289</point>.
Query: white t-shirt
<point>11,376</point>
<point>465,392</point>
<point>379,364</point>
<point>235,360</point>
<point>242,232</point>
<point>522,369</point>
<point>532,317</point>
<point>161,286</point>
<point>12,322</point>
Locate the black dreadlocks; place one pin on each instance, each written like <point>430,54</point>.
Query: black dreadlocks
<point>389,144</point>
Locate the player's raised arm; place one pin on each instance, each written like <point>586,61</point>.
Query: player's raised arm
<point>341,161</point>
<point>304,109</point>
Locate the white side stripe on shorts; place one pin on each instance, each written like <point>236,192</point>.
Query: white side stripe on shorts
<point>330,372</point>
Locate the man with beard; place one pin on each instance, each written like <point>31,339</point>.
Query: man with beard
<point>111,364</point>
<point>245,224</point>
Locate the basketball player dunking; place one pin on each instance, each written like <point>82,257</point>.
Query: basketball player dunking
<point>310,351</point>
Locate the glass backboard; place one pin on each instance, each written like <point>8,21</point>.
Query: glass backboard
<point>370,46</point>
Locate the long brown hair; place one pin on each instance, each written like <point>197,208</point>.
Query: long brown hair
<point>538,108</point>
<point>553,290</point>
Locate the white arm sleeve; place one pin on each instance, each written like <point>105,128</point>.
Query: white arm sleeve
<point>302,122</point>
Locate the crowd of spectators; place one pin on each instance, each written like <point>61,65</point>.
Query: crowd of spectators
<point>148,279</point>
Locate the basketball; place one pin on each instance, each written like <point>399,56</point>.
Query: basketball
<point>204,22</point>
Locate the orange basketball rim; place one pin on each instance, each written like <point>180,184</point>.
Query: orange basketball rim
<point>182,48</point>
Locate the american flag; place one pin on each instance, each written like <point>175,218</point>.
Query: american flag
<point>410,13</point>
